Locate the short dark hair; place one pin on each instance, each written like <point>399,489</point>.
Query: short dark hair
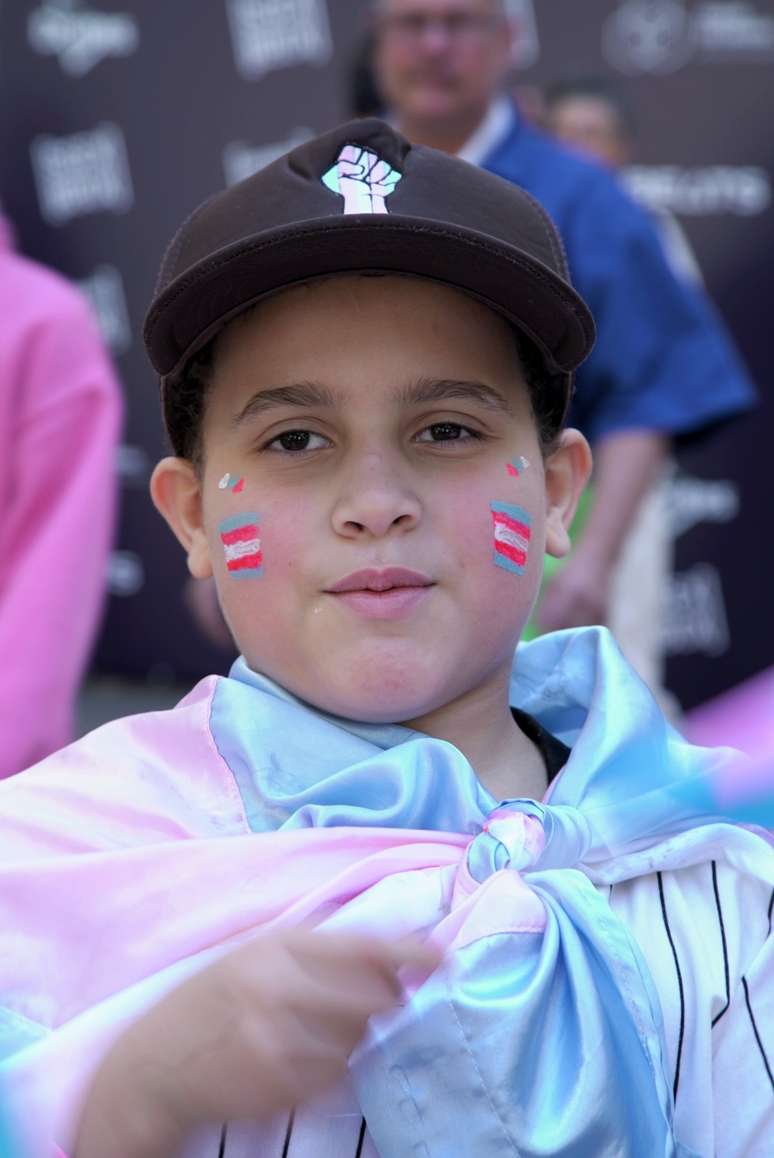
<point>600,88</point>
<point>185,402</point>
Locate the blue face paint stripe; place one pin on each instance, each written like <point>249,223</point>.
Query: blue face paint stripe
<point>247,573</point>
<point>234,522</point>
<point>515,512</point>
<point>506,564</point>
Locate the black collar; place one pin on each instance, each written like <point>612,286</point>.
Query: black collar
<point>555,754</point>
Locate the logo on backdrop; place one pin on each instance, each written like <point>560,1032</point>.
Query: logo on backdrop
<point>86,172</point>
<point>104,289</point>
<point>695,619</point>
<point>693,501</point>
<point>125,574</point>
<point>526,46</point>
<point>660,36</point>
<point>648,36</point>
<point>241,160</point>
<point>701,191</point>
<point>133,465</point>
<point>80,37</point>
<point>271,34</point>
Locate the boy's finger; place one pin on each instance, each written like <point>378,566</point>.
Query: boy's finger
<point>415,953</point>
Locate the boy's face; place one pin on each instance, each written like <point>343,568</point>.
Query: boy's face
<point>355,426</point>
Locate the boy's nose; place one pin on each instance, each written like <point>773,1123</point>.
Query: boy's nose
<point>374,501</point>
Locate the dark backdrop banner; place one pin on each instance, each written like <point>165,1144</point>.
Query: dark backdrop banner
<point>119,117</point>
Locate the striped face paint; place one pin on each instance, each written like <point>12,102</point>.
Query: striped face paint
<point>232,482</point>
<point>242,546</point>
<point>512,534</point>
<point>518,466</point>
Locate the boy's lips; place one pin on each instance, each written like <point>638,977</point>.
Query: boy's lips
<point>382,594</point>
<point>374,579</point>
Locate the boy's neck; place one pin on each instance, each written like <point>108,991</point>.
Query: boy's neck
<point>480,724</point>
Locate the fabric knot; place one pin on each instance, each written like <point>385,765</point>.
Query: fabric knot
<point>509,838</point>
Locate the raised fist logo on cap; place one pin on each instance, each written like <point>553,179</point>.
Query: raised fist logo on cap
<point>363,179</point>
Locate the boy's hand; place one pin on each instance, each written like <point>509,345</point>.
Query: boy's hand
<point>262,1029</point>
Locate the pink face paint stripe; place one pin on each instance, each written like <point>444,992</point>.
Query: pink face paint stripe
<point>238,535</point>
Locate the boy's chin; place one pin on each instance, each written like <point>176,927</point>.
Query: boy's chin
<point>386,693</point>
<point>371,705</point>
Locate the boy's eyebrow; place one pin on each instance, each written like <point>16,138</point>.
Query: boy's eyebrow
<point>440,389</point>
<point>310,394</point>
<point>305,394</point>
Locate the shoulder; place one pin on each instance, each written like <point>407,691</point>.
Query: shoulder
<point>705,933</point>
<point>50,343</point>
<point>572,187</point>
<point>49,338</point>
<point>30,293</point>
<point>134,781</point>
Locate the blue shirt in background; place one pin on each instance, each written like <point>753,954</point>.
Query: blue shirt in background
<point>663,360</point>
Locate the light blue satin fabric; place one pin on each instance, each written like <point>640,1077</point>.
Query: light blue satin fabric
<point>521,1043</point>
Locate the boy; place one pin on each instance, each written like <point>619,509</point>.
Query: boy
<point>497,869</point>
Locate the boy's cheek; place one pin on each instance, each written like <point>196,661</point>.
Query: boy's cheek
<point>258,542</point>
<point>500,527</point>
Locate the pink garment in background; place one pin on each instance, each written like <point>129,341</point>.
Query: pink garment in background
<point>743,718</point>
<point>60,409</point>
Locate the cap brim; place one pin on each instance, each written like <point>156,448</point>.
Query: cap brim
<point>192,309</point>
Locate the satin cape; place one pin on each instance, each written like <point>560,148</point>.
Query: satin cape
<point>137,855</point>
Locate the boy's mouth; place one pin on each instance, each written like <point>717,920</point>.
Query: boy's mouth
<point>373,579</point>
<point>382,594</point>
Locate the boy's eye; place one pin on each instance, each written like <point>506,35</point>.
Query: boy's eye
<point>298,440</point>
<point>446,432</point>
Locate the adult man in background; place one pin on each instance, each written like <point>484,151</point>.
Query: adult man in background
<point>59,418</point>
<point>662,364</point>
<point>591,114</point>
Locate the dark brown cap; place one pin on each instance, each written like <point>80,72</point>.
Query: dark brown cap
<point>362,198</point>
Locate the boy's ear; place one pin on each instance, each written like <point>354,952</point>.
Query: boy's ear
<point>567,471</point>
<point>177,496</point>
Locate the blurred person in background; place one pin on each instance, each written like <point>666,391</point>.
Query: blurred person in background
<point>60,413</point>
<point>663,364</point>
<point>593,115</point>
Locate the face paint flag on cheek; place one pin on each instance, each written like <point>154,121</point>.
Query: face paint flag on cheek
<point>517,466</point>
<point>242,546</point>
<point>512,533</point>
<point>233,483</point>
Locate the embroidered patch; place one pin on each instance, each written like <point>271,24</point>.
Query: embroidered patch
<point>363,179</point>
<point>242,546</point>
<point>512,534</point>
<point>518,466</point>
<point>233,483</point>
